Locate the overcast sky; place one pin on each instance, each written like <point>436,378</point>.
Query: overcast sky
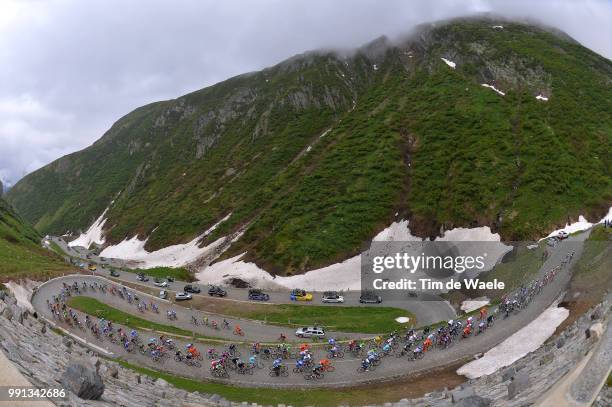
<point>69,69</point>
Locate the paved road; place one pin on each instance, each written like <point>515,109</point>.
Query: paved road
<point>345,373</point>
<point>427,308</point>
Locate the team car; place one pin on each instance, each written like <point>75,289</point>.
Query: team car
<point>332,297</point>
<point>258,295</point>
<point>310,331</point>
<point>300,295</point>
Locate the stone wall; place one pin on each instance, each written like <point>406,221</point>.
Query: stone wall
<point>43,355</point>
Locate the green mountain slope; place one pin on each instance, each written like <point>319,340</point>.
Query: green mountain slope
<point>320,152</point>
<point>20,252</point>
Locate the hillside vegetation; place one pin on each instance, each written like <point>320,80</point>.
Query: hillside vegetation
<point>318,153</point>
<point>21,254</point>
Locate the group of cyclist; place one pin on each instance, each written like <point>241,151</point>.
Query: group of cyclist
<point>412,344</point>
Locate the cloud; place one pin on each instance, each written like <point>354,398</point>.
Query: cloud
<point>69,68</point>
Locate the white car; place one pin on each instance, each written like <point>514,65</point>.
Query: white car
<point>310,331</point>
<point>182,296</point>
<point>562,235</point>
<point>163,294</point>
<point>163,284</point>
<point>332,297</point>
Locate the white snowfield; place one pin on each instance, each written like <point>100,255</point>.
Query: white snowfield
<point>498,27</point>
<point>171,256</point>
<point>526,340</point>
<point>472,305</point>
<point>486,85</point>
<point>608,217</point>
<point>579,226</point>
<point>339,276</point>
<point>93,234</point>
<point>449,63</point>
<point>542,98</point>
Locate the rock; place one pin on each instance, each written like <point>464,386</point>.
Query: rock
<point>478,355</point>
<point>8,313</point>
<point>519,382</point>
<point>96,363</point>
<point>138,379</point>
<point>560,342</point>
<point>112,371</point>
<point>81,379</point>
<point>546,359</point>
<point>473,401</point>
<point>43,329</point>
<point>66,341</point>
<point>461,393</point>
<point>596,330</point>
<point>597,314</point>
<point>508,374</point>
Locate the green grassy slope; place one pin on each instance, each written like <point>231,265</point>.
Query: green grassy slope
<point>20,252</point>
<point>423,140</point>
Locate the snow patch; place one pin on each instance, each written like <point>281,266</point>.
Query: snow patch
<point>498,27</point>
<point>526,340</point>
<point>480,234</point>
<point>494,88</point>
<point>608,217</point>
<point>93,234</point>
<point>579,226</point>
<point>308,149</point>
<point>172,256</point>
<point>338,276</point>
<point>449,63</point>
<point>541,97</point>
<point>472,305</point>
<point>375,67</point>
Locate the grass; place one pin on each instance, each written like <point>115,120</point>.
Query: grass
<point>518,267</point>
<point>343,319</point>
<point>94,307</point>
<point>21,255</point>
<point>378,394</point>
<point>178,273</point>
<point>591,277</point>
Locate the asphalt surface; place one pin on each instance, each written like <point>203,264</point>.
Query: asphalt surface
<point>427,308</point>
<point>345,374</point>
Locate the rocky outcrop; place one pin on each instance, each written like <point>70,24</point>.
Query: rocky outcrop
<point>83,380</point>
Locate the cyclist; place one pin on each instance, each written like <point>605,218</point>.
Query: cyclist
<point>253,360</point>
<point>386,348</point>
<point>365,364</point>
<point>276,366</point>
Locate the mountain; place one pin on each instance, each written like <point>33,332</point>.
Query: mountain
<point>21,254</point>
<point>317,154</point>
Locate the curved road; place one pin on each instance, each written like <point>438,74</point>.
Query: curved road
<point>345,373</point>
<point>427,308</point>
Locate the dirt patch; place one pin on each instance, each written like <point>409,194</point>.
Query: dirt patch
<point>576,309</point>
